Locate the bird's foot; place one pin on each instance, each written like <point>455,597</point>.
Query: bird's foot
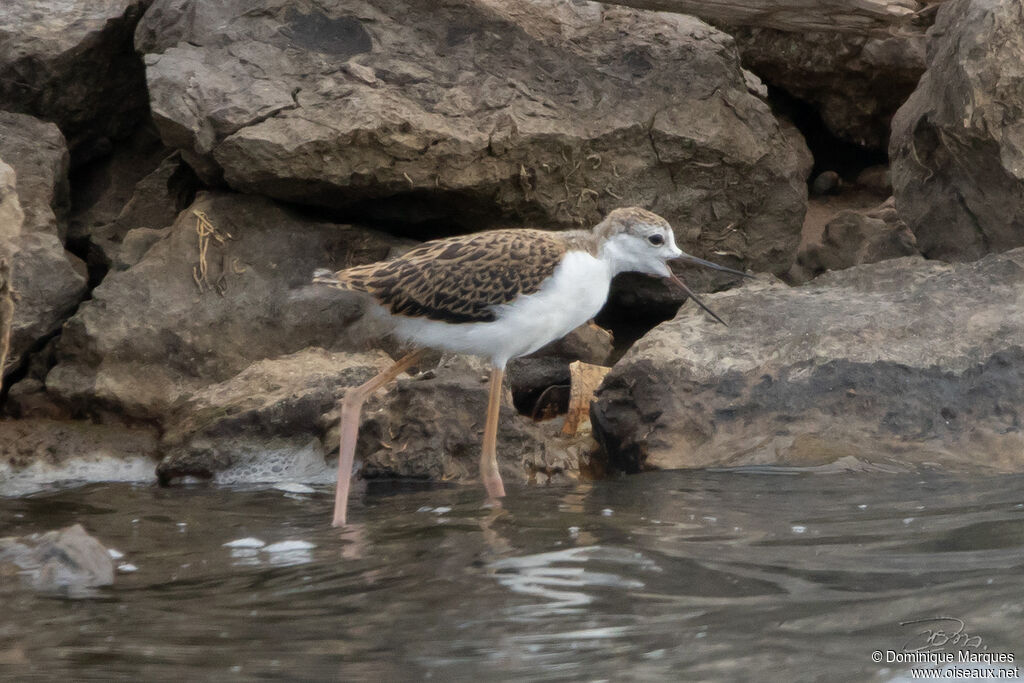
<point>493,484</point>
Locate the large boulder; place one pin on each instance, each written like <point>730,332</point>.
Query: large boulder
<point>48,282</point>
<point>855,82</point>
<point>479,111</point>
<point>73,63</point>
<point>224,287</point>
<point>957,146</point>
<point>905,362</point>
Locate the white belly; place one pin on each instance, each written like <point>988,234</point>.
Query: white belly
<point>573,294</point>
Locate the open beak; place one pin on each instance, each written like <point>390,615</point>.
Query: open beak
<point>689,292</point>
<point>701,262</point>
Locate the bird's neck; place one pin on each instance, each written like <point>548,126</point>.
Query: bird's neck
<point>608,251</point>
<point>617,259</point>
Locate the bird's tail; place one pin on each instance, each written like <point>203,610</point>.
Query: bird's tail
<point>322,276</point>
<point>350,280</point>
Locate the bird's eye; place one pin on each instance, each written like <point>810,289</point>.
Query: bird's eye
<point>656,239</point>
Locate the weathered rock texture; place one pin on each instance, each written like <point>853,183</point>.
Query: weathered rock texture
<point>856,237</point>
<point>957,147</point>
<point>102,188</point>
<point>65,561</point>
<point>73,63</point>
<point>48,281</point>
<point>855,82</point>
<point>431,427</point>
<point>156,333</point>
<point>120,237</point>
<point>11,219</point>
<point>265,423</point>
<point>478,112</point>
<point>905,361</point>
<point>861,17</point>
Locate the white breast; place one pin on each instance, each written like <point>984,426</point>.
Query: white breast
<point>573,294</point>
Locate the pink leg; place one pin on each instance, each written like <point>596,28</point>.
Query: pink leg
<point>351,407</point>
<point>489,457</point>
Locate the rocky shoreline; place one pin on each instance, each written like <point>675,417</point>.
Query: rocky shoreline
<point>172,172</point>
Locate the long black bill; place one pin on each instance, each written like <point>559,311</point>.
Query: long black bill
<point>699,261</point>
<point>689,293</point>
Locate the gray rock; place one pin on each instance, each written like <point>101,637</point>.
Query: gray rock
<point>103,188</point>
<point>69,561</point>
<point>146,216</point>
<point>877,179</point>
<point>855,237</point>
<point>957,147</point>
<point>72,63</point>
<point>906,363</point>
<point>478,112</point>
<point>855,82</point>
<point>48,281</point>
<point>151,337</point>
<point>264,423</point>
<point>431,427</point>
<point>827,182</point>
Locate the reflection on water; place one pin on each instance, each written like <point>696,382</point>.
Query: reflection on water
<point>770,575</point>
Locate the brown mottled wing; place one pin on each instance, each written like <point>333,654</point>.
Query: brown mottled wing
<point>459,279</point>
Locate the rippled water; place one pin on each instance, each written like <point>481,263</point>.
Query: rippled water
<point>675,575</point>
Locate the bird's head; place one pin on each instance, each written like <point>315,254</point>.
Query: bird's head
<point>637,240</point>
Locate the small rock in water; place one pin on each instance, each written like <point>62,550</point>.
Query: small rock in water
<point>69,560</point>
<point>248,542</point>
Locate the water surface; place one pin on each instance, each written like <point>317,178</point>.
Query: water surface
<point>759,575</point>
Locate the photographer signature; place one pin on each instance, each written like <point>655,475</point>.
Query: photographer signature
<point>939,633</point>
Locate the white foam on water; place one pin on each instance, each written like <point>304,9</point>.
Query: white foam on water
<point>38,476</point>
<point>289,546</point>
<point>247,542</point>
<point>289,553</point>
<point>303,465</point>
<point>294,487</point>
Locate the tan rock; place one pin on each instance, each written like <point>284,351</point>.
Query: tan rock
<point>478,112</point>
<point>901,363</point>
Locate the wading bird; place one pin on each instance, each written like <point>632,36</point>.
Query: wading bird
<point>499,294</point>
